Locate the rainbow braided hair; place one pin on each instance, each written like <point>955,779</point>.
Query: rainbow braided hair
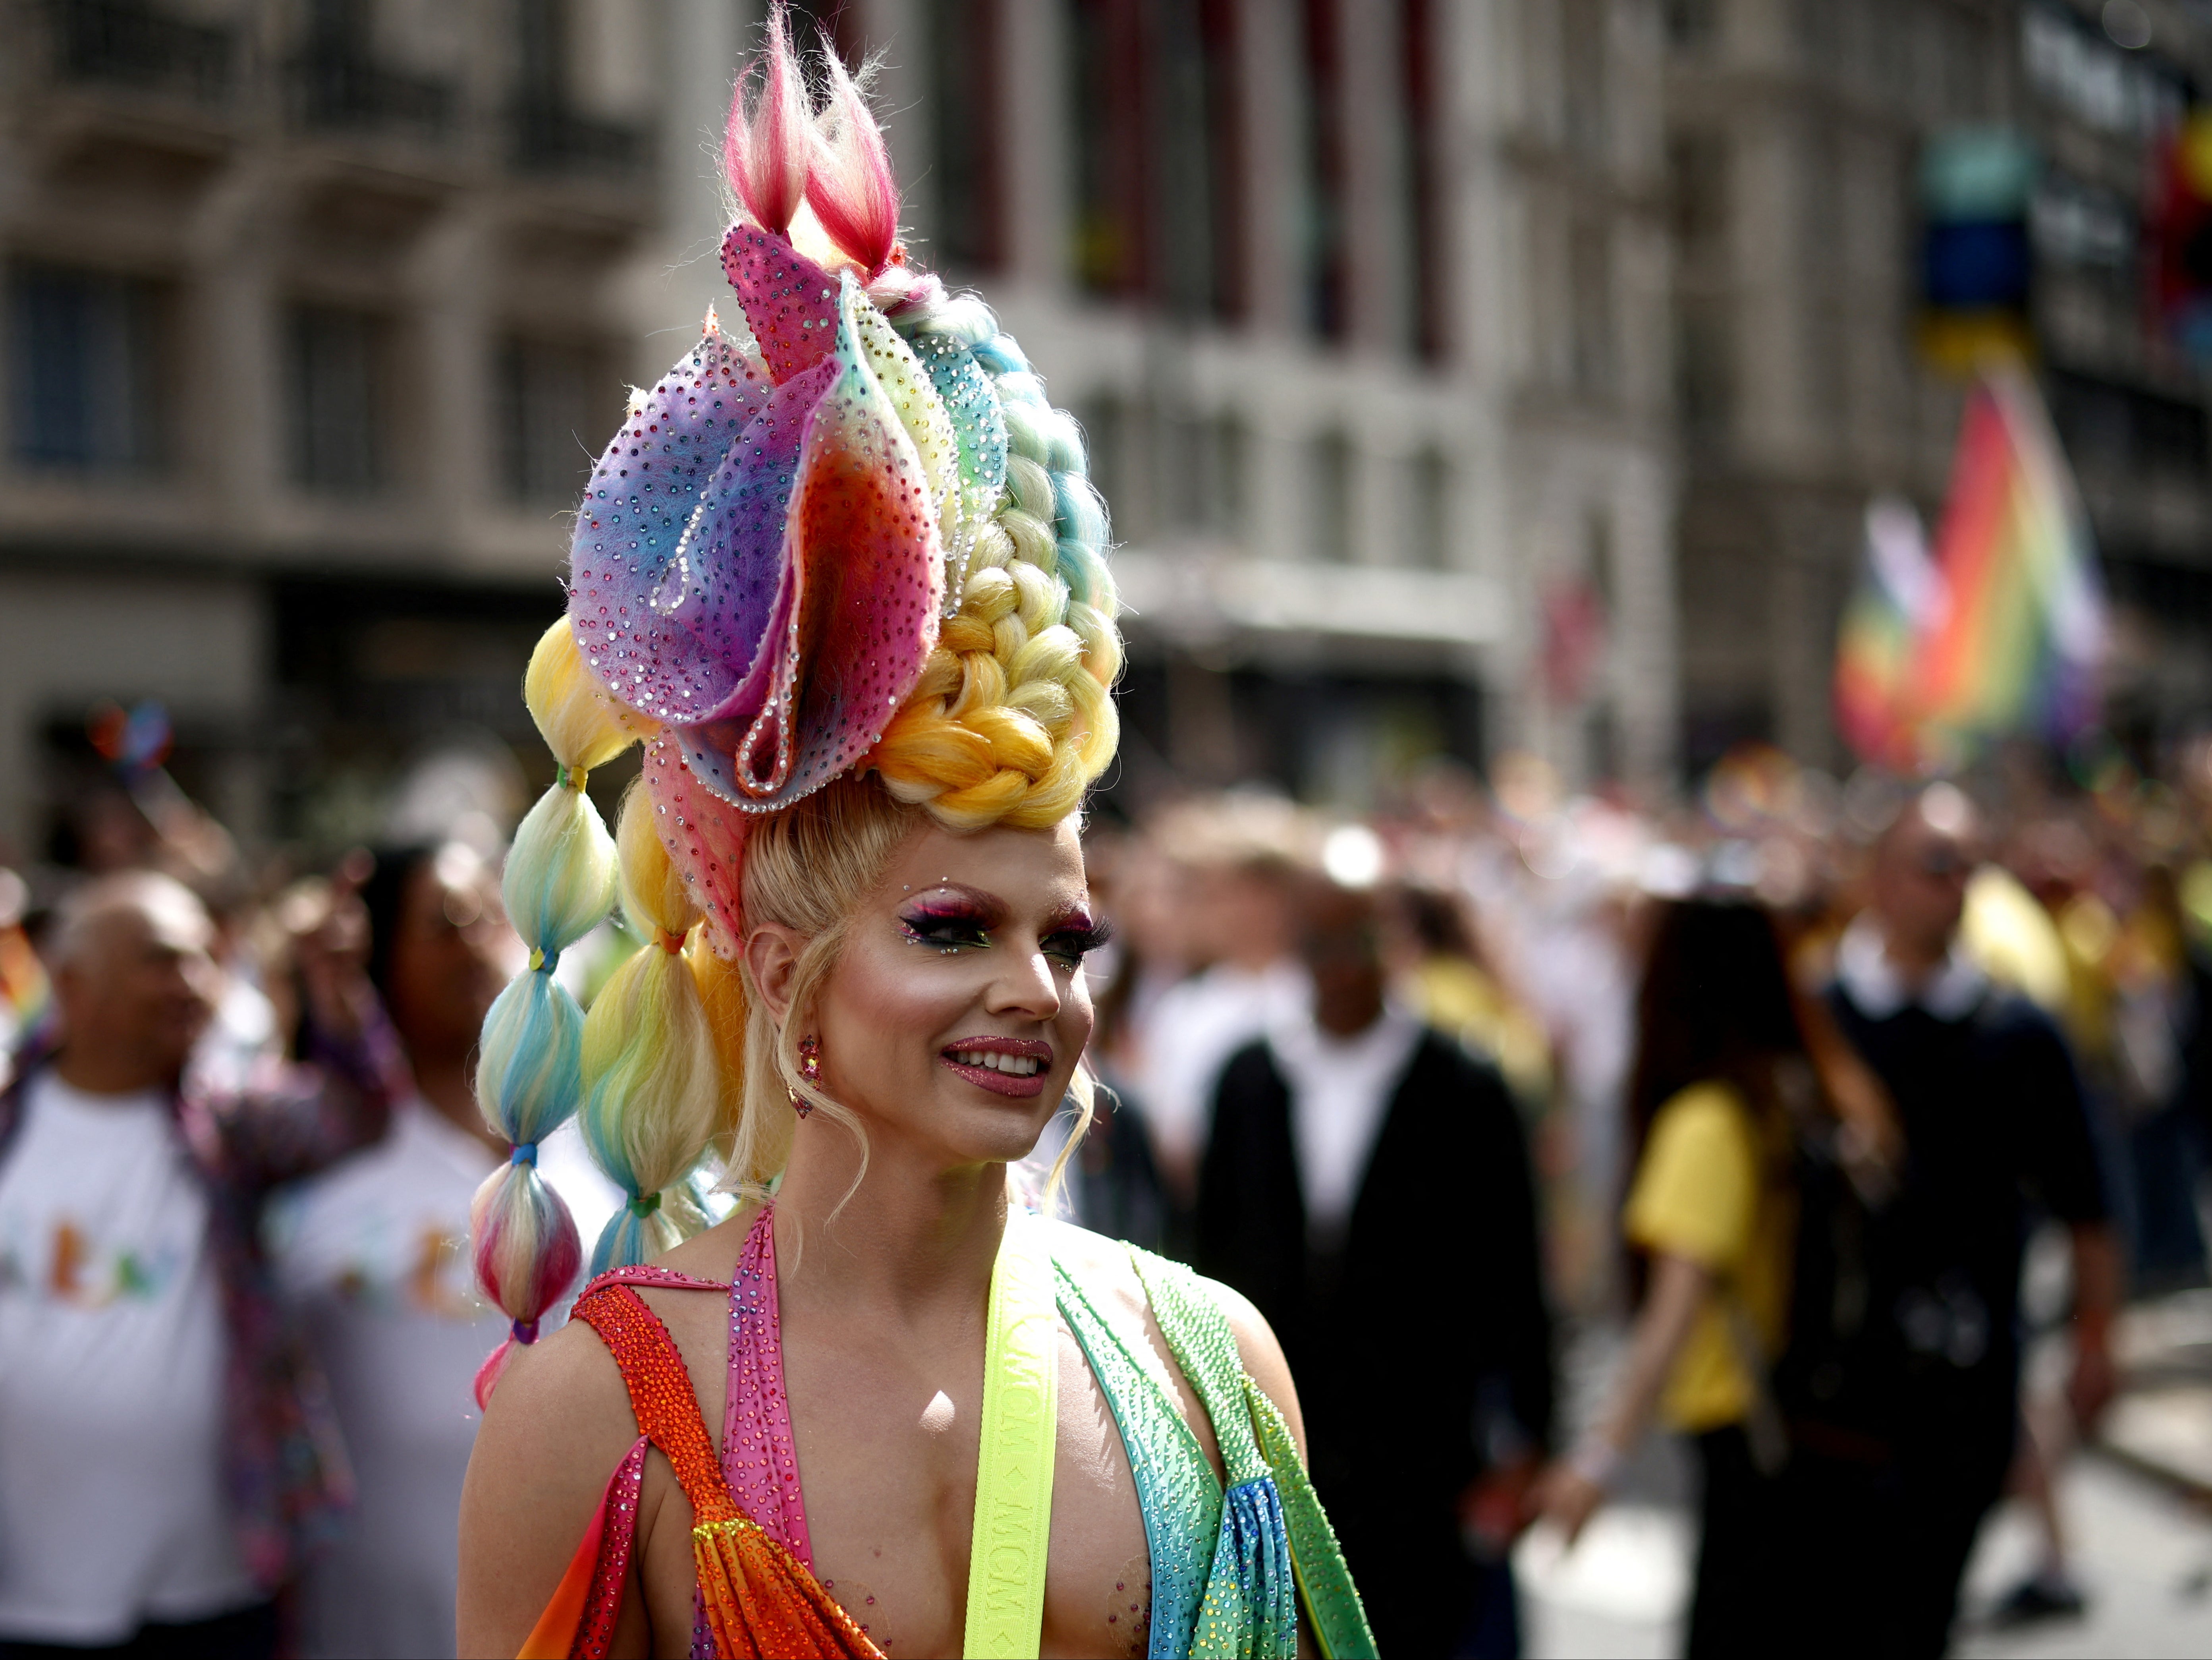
<point>853,537</point>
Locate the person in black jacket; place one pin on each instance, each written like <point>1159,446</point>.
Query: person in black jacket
<point>1996,1129</point>
<point>1366,1184</point>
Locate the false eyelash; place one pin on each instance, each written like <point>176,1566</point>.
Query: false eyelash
<point>1081,942</point>
<point>940,928</point>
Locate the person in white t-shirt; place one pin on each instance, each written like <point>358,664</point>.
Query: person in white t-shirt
<point>374,1254</point>
<point>161,1458</point>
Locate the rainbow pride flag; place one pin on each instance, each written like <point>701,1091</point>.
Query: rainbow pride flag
<point>2002,631</point>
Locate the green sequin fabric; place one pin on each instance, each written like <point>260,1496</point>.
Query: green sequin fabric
<point>1227,1568</point>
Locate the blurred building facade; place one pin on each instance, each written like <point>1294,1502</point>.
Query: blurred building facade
<point>316,310</point>
<point>1362,304</point>
<point>319,308</point>
<point>1797,131</point>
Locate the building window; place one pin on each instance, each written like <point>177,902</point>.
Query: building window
<point>1418,54</point>
<point>1116,439</point>
<point>1200,182</point>
<point>1226,463</point>
<point>1704,371</point>
<point>1698,198</point>
<point>966,106</point>
<point>1202,468</point>
<point>1583,41</point>
<point>1428,511</point>
<point>337,376</point>
<point>84,367</point>
<point>552,134</point>
<point>556,410</point>
<point>1692,25</point>
<point>1222,131</point>
<point>1590,294</point>
<point>1329,524</point>
<point>1112,218</point>
<point>1326,229</point>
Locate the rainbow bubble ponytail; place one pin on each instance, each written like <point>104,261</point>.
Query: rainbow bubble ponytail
<point>558,885</point>
<point>653,1071</point>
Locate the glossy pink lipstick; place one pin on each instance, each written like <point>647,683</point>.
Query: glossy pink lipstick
<point>1005,1066</point>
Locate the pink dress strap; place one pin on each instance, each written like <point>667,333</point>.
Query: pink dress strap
<point>644,1274</point>
<point>760,1460</point>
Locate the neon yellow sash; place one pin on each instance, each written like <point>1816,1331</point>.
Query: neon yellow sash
<point>1013,1470</point>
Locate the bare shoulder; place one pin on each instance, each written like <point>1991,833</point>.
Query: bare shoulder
<point>1106,1276</point>
<point>555,1429</point>
<point>568,1377</point>
<point>1262,1352</point>
<point>712,1254</point>
<point>1092,1257</point>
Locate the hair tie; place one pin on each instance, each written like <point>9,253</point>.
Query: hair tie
<point>524,1152</point>
<point>570,778</point>
<point>545,962</point>
<point>644,1206</point>
<point>525,1331</point>
<point>671,940</point>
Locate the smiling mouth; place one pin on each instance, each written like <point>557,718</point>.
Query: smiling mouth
<point>1004,1066</point>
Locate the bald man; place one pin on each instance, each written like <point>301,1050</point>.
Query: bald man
<point>1996,1130</point>
<point>162,1446</point>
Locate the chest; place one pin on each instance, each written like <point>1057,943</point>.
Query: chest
<point>887,1449</point>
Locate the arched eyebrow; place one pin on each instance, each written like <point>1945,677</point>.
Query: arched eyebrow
<point>985,906</point>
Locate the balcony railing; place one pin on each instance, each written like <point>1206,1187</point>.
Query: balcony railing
<point>549,138</point>
<point>125,44</point>
<point>344,91</point>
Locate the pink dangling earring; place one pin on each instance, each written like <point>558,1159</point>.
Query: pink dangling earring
<point>809,1068</point>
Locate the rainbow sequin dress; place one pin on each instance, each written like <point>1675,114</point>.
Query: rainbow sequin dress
<point>1232,1567</point>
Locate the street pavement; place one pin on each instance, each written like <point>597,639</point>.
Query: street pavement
<point>2138,1511</point>
<point>2144,1554</point>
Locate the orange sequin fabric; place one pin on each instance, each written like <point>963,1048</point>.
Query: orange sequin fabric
<point>760,1600</point>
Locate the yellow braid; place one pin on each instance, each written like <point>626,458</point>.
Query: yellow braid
<point>1011,719</point>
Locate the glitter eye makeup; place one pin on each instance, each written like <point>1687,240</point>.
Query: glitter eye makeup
<point>948,922</point>
<point>1075,938</point>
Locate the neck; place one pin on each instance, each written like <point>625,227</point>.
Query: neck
<point>95,1071</point>
<point>1915,960</point>
<point>444,1082</point>
<point>914,1239</point>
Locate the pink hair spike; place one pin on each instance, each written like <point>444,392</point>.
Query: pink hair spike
<point>851,186</point>
<point>765,151</point>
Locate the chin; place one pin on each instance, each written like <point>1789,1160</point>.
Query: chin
<point>999,1132</point>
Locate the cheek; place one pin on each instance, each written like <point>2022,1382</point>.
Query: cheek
<point>890,1006</point>
<point>1077,1015</point>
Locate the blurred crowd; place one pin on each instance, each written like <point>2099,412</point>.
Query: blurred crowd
<point>1438,1087</point>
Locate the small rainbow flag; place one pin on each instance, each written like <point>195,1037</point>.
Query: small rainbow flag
<point>2002,632</point>
<point>1896,593</point>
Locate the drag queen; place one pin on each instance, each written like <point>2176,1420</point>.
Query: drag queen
<point>841,573</point>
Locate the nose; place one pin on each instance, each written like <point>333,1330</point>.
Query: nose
<point>1027,988</point>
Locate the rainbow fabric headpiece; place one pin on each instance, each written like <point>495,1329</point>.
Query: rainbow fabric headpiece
<point>787,528</point>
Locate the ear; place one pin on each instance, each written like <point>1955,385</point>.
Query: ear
<point>772,956</point>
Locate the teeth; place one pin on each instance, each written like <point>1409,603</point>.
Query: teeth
<point>1014,1066</point>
